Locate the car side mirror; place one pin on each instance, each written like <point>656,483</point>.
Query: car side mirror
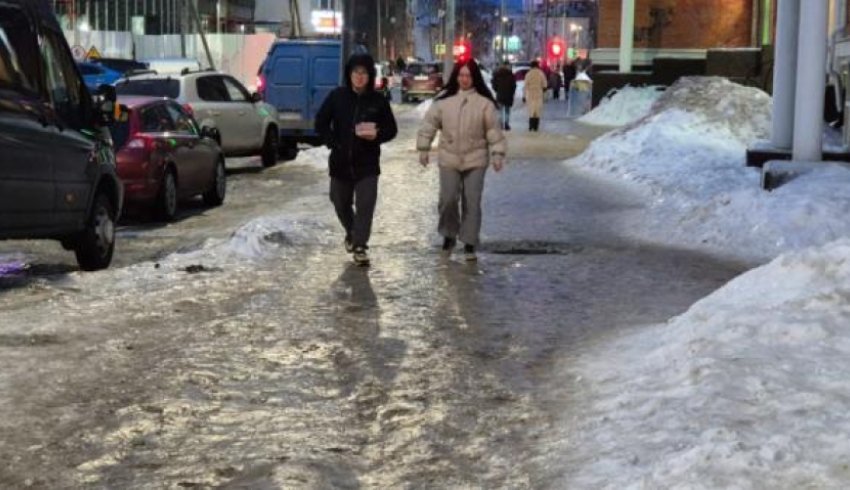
<point>105,103</point>
<point>211,133</point>
<point>256,97</point>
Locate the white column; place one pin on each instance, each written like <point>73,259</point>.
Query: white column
<point>811,81</point>
<point>627,34</point>
<point>785,73</point>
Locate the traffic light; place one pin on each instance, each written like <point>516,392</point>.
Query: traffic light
<point>462,51</point>
<point>556,48</point>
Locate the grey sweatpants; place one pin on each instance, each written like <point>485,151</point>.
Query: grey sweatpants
<point>464,188</point>
<point>356,220</point>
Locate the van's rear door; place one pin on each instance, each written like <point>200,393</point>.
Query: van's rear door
<point>299,75</point>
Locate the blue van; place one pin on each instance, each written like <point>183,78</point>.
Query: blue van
<point>295,78</point>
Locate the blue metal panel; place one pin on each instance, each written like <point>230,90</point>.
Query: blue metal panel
<point>299,75</point>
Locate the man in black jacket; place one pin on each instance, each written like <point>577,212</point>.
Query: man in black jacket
<point>353,122</point>
<point>504,84</point>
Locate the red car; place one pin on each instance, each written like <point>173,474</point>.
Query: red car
<point>421,81</point>
<point>163,156</point>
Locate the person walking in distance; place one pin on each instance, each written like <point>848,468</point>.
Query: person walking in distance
<point>471,139</point>
<point>354,121</point>
<point>535,88</point>
<point>504,84</point>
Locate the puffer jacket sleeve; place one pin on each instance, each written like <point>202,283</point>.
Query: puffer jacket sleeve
<point>323,121</point>
<point>496,142</point>
<point>432,123</point>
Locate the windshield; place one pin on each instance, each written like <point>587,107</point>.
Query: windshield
<point>156,87</point>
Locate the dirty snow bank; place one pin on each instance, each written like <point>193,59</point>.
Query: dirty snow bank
<point>689,155</point>
<point>624,106</point>
<point>748,389</point>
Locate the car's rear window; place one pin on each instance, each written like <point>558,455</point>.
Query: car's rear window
<point>156,87</point>
<point>417,69</point>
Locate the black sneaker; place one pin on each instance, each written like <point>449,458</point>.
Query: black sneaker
<point>360,256</point>
<point>449,244</point>
<point>349,245</point>
<point>469,253</point>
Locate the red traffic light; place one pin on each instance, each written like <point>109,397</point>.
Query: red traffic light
<point>462,51</point>
<point>556,48</point>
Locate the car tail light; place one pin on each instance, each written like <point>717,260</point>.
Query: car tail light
<point>188,109</point>
<point>379,84</point>
<point>261,84</point>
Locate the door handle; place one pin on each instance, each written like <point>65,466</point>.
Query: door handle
<point>215,113</point>
<point>242,113</point>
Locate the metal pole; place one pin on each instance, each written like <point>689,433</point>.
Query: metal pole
<point>378,41</point>
<point>451,20</point>
<point>811,80</point>
<point>627,34</point>
<point>785,73</point>
<point>218,16</point>
<point>349,33</point>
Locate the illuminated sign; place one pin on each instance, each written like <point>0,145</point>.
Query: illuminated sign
<point>327,21</point>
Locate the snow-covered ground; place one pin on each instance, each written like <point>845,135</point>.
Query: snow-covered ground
<point>749,388</point>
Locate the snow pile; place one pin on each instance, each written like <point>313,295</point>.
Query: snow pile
<point>689,153</point>
<point>314,157</point>
<point>748,389</point>
<point>266,236</point>
<point>623,106</point>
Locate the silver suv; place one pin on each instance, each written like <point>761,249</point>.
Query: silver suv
<point>248,126</point>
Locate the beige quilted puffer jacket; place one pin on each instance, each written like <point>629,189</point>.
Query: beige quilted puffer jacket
<point>471,132</point>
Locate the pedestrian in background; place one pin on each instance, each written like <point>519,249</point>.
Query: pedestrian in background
<point>535,88</point>
<point>555,83</point>
<point>504,84</point>
<point>569,76</point>
<point>353,122</point>
<point>471,139</point>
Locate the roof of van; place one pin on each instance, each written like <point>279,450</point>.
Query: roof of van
<point>317,41</point>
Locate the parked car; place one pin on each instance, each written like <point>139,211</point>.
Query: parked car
<point>172,66</point>
<point>421,80</point>
<point>57,166</point>
<point>121,65</point>
<point>164,156</point>
<point>95,75</point>
<point>247,125</point>
<point>296,77</point>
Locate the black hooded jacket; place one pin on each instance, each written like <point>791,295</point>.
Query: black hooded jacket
<point>353,158</point>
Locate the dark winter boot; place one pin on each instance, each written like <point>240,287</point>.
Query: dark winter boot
<point>531,124</point>
<point>535,123</point>
<point>507,127</point>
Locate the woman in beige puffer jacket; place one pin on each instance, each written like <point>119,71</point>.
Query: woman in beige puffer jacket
<point>471,139</point>
<point>535,88</point>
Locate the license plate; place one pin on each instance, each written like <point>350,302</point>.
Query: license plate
<point>289,116</point>
<point>420,77</point>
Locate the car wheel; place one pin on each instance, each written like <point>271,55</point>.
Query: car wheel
<point>215,196</point>
<point>96,243</point>
<point>166,201</point>
<point>269,154</point>
<point>287,150</point>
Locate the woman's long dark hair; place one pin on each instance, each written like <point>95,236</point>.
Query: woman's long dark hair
<point>453,87</point>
